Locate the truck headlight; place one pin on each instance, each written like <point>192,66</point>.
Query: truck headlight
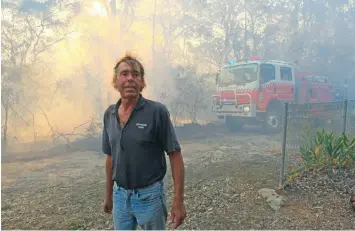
<point>246,109</point>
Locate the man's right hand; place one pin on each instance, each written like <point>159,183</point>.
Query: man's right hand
<point>108,205</point>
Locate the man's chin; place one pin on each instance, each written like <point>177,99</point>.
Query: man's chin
<point>130,95</point>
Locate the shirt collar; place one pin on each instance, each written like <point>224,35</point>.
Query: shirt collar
<point>140,104</point>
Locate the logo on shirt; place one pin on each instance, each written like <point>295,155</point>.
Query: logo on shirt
<point>141,126</point>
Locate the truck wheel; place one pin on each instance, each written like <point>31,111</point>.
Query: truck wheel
<point>233,124</point>
<point>273,120</point>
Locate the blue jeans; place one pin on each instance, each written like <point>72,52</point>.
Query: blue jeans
<point>145,207</point>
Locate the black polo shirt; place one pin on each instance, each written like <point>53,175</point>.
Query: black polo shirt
<point>137,150</point>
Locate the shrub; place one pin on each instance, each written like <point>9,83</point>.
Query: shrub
<point>329,150</point>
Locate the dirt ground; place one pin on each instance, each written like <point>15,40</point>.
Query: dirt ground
<point>223,176</point>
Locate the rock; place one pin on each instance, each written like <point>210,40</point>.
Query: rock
<point>275,200</point>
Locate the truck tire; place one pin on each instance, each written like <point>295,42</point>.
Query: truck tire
<point>273,122</point>
<point>233,124</point>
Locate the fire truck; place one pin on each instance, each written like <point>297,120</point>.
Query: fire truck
<point>254,91</point>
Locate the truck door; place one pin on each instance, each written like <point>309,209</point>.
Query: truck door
<point>286,87</point>
<point>267,74</point>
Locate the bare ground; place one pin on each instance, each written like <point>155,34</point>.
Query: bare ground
<point>223,176</point>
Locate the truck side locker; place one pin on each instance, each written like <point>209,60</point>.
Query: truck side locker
<point>309,91</point>
<point>297,89</point>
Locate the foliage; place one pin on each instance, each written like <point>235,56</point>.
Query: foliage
<point>329,150</point>
<point>326,151</point>
<point>317,140</point>
<point>191,93</point>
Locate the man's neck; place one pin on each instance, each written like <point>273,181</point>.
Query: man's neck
<point>128,104</point>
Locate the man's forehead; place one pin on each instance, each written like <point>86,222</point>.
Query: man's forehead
<point>131,66</point>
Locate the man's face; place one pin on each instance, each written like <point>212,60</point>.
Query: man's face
<point>129,80</point>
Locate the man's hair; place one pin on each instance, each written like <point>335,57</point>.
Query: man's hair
<point>133,62</point>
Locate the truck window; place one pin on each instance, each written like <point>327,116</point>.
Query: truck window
<point>286,73</point>
<point>267,73</point>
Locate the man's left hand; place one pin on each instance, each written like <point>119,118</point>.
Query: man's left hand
<point>178,212</point>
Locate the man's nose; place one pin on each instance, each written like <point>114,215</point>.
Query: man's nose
<point>129,76</point>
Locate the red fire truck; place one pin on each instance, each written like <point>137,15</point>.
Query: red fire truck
<point>254,91</point>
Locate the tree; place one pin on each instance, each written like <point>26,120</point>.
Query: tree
<point>190,95</point>
<point>29,29</point>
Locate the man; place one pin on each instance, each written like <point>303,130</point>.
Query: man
<point>136,134</point>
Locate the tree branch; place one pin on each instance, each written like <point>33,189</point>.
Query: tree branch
<point>49,124</point>
<point>18,115</point>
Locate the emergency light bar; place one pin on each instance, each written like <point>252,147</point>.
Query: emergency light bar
<point>253,58</point>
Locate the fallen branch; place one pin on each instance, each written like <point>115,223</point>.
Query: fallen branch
<point>67,136</point>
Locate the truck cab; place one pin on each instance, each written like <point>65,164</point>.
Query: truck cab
<point>253,91</point>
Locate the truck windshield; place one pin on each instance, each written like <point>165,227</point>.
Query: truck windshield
<point>239,74</point>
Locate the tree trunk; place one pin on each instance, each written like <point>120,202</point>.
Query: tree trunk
<point>175,113</point>
<point>113,7</point>
<point>34,129</point>
<point>153,33</point>
<point>245,48</point>
<point>227,32</point>
<point>253,19</point>
<point>4,143</point>
<point>123,19</point>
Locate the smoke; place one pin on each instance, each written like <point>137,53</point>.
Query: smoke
<point>70,82</point>
<point>74,78</point>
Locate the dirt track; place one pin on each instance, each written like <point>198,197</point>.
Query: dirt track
<point>223,176</point>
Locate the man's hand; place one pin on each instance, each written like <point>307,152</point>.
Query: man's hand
<point>178,212</point>
<point>108,205</point>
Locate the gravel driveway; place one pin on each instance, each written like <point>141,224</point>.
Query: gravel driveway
<point>223,176</point>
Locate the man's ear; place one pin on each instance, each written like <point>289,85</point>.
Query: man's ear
<point>143,85</point>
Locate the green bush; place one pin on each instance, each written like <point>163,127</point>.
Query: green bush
<point>329,150</point>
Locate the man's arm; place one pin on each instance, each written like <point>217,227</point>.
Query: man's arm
<point>178,174</point>
<point>109,182</point>
<point>172,147</point>
<point>106,148</point>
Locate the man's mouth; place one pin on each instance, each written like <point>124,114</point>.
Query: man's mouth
<point>130,87</point>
